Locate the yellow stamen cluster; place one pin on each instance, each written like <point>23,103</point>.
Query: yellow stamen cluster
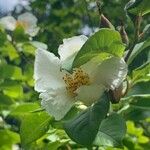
<point>22,24</point>
<point>75,80</point>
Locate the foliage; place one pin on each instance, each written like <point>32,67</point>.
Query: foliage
<point>104,125</point>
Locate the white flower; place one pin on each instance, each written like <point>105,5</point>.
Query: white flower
<point>60,89</point>
<point>26,20</point>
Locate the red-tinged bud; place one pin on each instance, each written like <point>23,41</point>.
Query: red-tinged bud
<point>124,35</point>
<point>105,23</point>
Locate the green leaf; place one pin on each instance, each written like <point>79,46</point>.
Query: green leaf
<point>138,89</point>
<point>28,48</point>
<point>141,73</point>
<point>138,7</point>
<point>12,88</point>
<point>10,72</point>
<point>136,114</point>
<point>9,50</point>
<point>53,145</point>
<point>5,100</point>
<point>111,131</point>
<point>8,138</point>
<point>146,32</point>
<point>3,37</point>
<point>19,35</point>
<point>23,109</point>
<point>142,102</point>
<point>84,127</point>
<point>33,126</point>
<point>18,112</point>
<point>138,49</point>
<point>105,41</point>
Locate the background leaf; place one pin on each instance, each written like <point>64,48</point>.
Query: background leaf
<point>84,127</point>
<point>33,126</point>
<point>138,7</point>
<point>111,131</point>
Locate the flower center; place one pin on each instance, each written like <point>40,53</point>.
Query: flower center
<point>22,24</point>
<point>75,80</point>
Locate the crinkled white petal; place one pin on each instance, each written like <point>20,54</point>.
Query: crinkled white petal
<point>89,94</point>
<point>71,46</point>
<point>8,23</point>
<point>90,68</point>
<point>111,72</point>
<point>47,72</point>
<point>56,102</point>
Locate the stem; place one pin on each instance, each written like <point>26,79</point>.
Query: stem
<point>136,36</point>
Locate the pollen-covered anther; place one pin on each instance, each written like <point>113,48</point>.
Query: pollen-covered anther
<point>75,80</point>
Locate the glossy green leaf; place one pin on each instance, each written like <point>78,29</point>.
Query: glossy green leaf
<point>105,41</point>
<point>142,102</point>
<point>33,126</point>
<point>138,7</point>
<point>111,131</point>
<point>141,74</point>
<point>138,89</point>
<point>84,127</point>
<point>136,114</point>
<point>138,49</point>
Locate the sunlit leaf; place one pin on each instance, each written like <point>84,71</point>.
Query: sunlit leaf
<point>105,41</point>
<point>12,88</point>
<point>10,72</point>
<point>9,50</point>
<point>8,138</point>
<point>141,74</point>
<point>33,126</point>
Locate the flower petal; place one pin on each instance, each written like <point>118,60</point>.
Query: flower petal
<point>70,46</point>
<point>90,94</point>
<point>33,31</point>
<point>8,23</point>
<point>111,72</point>
<point>47,71</point>
<point>56,102</point>
<point>31,23</point>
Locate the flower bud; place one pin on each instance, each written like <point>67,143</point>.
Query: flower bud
<point>105,23</point>
<point>124,35</point>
